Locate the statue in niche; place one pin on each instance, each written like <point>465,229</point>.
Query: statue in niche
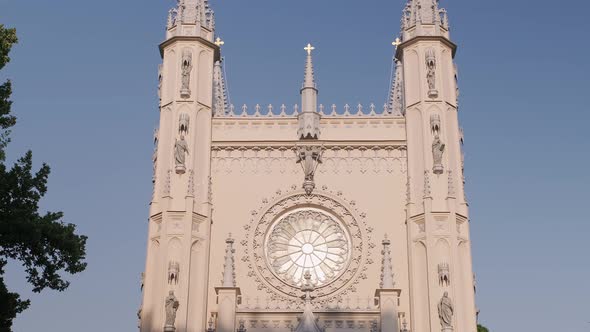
<point>438,149</point>
<point>444,278</point>
<point>183,124</point>
<point>173,271</point>
<point>180,152</point>
<point>431,73</point>
<point>187,66</point>
<point>445,312</point>
<point>310,157</point>
<point>172,305</point>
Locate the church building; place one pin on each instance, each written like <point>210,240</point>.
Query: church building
<point>312,217</point>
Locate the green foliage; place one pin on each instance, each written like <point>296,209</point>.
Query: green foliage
<point>7,39</point>
<point>481,328</point>
<point>41,242</point>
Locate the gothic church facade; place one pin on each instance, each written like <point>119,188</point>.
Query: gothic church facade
<point>311,218</point>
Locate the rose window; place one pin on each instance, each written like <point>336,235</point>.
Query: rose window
<point>308,240</point>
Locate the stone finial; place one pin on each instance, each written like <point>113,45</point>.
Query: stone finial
<point>220,94</point>
<point>423,18</point>
<point>309,118</point>
<point>386,266</point>
<point>395,103</point>
<point>229,274</point>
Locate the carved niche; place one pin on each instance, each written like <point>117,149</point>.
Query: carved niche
<point>183,123</point>
<point>444,276</point>
<point>173,271</point>
<point>431,72</point>
<point>186,68</point>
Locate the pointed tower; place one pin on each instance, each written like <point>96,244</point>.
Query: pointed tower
<point>309,118</point>
<point>179,224</point>
<point>437,213</point>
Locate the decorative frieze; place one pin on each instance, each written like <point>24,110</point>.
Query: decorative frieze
<point>335,159</point>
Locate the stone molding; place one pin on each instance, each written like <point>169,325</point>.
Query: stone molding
<point>336,159</point>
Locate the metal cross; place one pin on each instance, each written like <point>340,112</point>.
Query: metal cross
<point>219,42</point>
<point>309,48</point>
<point>397,42</point>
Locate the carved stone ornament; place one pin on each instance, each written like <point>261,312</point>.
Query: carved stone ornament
<point>173,272</point>
<point>445,313</point>
<point>310,157</point>
<point>180,152</point>
<point>172,305</point>
<point>296,213</point>
<point>444,277</point>
<point>183,124</point>
<point>186,68</point>
<point>308,322</point>
<point>431,73</point>
<point>438,147</point>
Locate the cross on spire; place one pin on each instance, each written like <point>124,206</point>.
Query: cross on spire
<point>219,42</point>
<point>309,48</point>
<point>397,42</point>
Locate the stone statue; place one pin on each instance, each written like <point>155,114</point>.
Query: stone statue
<point>180,152</point>
<point>172,305</point>
<point>309,157</point>
<point>445,312</point>
<point>187,66</point>
<point>438,148</point>
<point>431,73</point>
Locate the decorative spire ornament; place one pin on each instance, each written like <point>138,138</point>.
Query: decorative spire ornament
<point>229,274</point>
<point>386,266</point>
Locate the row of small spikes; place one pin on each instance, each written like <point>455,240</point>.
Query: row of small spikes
<point>269,111</point>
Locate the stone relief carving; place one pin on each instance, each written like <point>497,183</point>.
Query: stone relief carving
<point>438,147</point>
<point>167,184</point>
<point>242,326</point>
<point>286,295</point>
<point>190,191</point>
<point>445,313</point>
<point>444,277</point>
<point>310,157</point>
<point>335,160</point>
<point>173,271</point>
<point>172,305</point>
<point>427,189</point>
<point>431,72</point>
<point>210,324</point>
<point>183,123</point>
<point>180,152</point>
<point>186,68</point>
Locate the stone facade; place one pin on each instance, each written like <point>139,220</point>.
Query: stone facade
<point>312,219</point>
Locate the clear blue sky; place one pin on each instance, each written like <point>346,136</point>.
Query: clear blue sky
<point>85,82</point>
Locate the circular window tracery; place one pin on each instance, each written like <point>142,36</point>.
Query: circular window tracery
<point>308,240</point>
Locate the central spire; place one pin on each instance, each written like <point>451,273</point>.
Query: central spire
<point>309,119</point>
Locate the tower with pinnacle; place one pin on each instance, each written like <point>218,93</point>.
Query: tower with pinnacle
<point>341,216</point>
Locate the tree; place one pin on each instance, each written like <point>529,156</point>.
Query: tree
<point>481,328</point>
<point>42,242</point>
